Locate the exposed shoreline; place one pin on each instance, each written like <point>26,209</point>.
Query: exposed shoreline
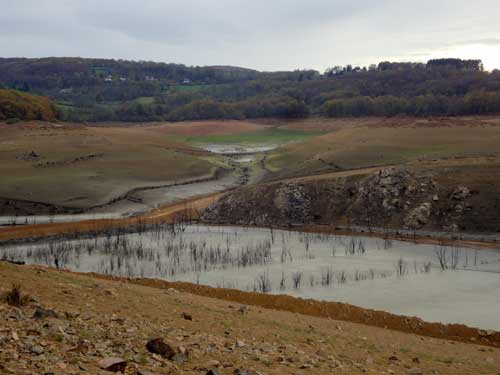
<point>321,309</point>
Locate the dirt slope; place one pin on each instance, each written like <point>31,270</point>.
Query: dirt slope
<point>75,166</point>
<point>102,318</point>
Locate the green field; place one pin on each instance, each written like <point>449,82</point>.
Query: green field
<point>271,135</point>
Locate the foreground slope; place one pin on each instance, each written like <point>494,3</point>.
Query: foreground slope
<point>101,318</point>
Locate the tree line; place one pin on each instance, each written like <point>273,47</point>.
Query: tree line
<point>475,103</point>
<point>118,90</point>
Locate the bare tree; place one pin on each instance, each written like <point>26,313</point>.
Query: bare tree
<point>441,254</point>
<point>401,267</point>
<point>296,279</point>
<point>327,276</point>
<point>264,282</point>
<point>282,281</point>
<point>455,255</point>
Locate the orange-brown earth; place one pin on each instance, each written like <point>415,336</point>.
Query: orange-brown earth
<point>99,318</point>
<point>189,209</point>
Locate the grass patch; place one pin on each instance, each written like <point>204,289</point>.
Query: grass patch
<point>145,100</point>
<point>273,135</point>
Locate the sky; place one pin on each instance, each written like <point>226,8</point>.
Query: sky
<point>260,34</point>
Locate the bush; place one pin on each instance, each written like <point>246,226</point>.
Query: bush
<point>14,297</point>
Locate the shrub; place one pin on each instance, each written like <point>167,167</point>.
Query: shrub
<point>14,297</point>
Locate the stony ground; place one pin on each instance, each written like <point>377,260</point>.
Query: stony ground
<point>74,324</point>
<point>445,195</point>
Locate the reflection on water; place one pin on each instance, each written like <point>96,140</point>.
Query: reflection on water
<point>232,149</point>
<point>434,282</point>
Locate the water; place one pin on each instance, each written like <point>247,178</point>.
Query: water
<point>145,200</point>
<point>237,149</point>
<point>398,277</point>
<point>43,219</point>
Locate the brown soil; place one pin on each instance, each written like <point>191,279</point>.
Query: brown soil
<point>80,167</point>
<point>118,317</point>
<point>331,310</point>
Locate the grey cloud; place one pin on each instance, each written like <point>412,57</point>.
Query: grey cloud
<point>484,41</point>
<point>262,34</point>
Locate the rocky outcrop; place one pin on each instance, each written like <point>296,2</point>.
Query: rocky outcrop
<point>396,197</point>
<point>293,202</point>
<point>419,216</point>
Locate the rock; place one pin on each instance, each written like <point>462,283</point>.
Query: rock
<point>460,193</point>
<point>435,198</point>
<point>158,346</point>
<point>61,365</point>
<point>240,343</point>
<point>36,350</point>
<point>212,372</point>
<point>33,332</point>
<point>41,313</point>
<point>14,335</point>
<point>243,310</point>
<point>82,348</point>
<point>186,316</point>
<point>293,202</point>
<point>144,372</point>
<point>179,358</point>
<point>240,371</point>
<point>113,364</point>
<point>418,216</point>
<point>213,363</point>
<point>415,371</point>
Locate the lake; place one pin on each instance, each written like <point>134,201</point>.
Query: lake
<point>437,283</point>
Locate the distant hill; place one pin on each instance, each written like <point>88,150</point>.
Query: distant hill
<point>22,106</point>
<point>119,90</point>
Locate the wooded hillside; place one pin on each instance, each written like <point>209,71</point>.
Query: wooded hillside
<point>15,105</point>
<point>117,90</point>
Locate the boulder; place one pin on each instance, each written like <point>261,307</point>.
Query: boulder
<point>186,316</point>
<point>113,364</point>
<point>41,313</point>
<point>158,346</point>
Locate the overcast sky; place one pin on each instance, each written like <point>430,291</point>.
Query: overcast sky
<point>260,34</point>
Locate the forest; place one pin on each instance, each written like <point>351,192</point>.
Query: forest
<point>15,105</point>
<point>118,90</point>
